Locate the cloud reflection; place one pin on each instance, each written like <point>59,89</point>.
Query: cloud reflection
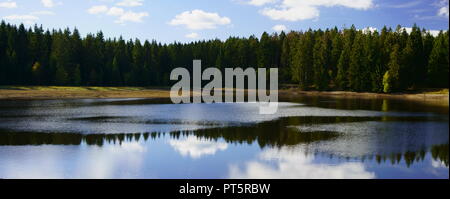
<point>197,147</point>
<point>438,164</point>
<point>124,160</point>
<point>285,163</point>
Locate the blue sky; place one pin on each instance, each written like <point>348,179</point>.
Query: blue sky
<point>188,20</point>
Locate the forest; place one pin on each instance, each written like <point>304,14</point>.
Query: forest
<point>391,60</point>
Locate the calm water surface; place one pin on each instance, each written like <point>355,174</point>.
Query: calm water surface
<point>309,137</point>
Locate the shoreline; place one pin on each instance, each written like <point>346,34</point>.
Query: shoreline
<point>419,96</point>
<point>440,98</point>
<point>60,92</point>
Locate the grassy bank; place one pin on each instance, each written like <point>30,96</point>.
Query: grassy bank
<point>65,92</point>
<point>436,96</point>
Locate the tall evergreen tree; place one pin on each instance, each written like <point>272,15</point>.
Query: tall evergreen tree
<point>392,76</point>
<point>438,68</point>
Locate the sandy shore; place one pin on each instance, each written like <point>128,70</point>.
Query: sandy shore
<point>52,92</point>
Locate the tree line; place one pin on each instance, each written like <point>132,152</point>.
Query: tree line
<point>331,59</point>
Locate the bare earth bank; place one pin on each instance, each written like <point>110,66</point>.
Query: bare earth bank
<point>438,97</point>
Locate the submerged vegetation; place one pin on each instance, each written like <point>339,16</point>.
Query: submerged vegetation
<point>331,59</point>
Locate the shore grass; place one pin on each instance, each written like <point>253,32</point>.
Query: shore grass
<point>73,92</point>
<point>71,88</point>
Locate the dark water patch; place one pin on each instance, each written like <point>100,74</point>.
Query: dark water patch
<point>375,104</point>
<point>134,102</point>
<point>98,118</point>
<point>302,120</point>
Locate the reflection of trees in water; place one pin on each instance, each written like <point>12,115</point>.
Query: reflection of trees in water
<point>275,133</point>
<point>440,152</point>
<point>28,138</point>
<point>231,135</point>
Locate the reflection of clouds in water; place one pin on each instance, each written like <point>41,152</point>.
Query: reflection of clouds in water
<point>438,169</point>
<point>196,147</point>
<point>286,163</point>
<point>438,164</point>
<point>44,162</point>
<point>128,147</point>
<point>24,167</point>
<point>108,161</point>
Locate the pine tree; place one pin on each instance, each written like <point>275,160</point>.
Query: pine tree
<point>392,76</point>
<point>337,46</point>
<point>342,77</point>
<point>417,62</point>
<point>37,73</point>
<point>61,76</point>
<point>356,72</point>
<point>321,62</point>
<point>285,60</point>
<point>77,76</point>
<point>264,51</point>
<point>438,66</point>
<point>303,59</point>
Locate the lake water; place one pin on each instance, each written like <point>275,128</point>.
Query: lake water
<point>309,137</point>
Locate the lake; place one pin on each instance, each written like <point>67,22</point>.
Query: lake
<point>309,137</point>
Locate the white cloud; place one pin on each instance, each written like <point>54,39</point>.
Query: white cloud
<point>261,2</point>
<point>199,19</point>
<point>8,4</point>
<point>123,16</point>
<point>97,9</point>
<point>131,17</point>
<point>438,164</point>
<point>443,12</point>
<point>21,17</point>
<point>130,3</point>
<point>294,10</point>
<point>115,11</point>
<point>291,14</point>
<point>279,28</point>
<point>287,163</point>
<point>50,3</point>
<point>435,32</point>
<point>407,29</point>
<point>369,30</point>
<point>192,35</point>
<point>27,19</point>
<point>196,147</point>
<point>44,12</point>
<point>432,32</point>
<point>406,4</point>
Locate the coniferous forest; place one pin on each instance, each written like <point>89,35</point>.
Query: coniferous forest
<point>390,60</point>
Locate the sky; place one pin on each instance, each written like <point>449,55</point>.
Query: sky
<point>167,21</point>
